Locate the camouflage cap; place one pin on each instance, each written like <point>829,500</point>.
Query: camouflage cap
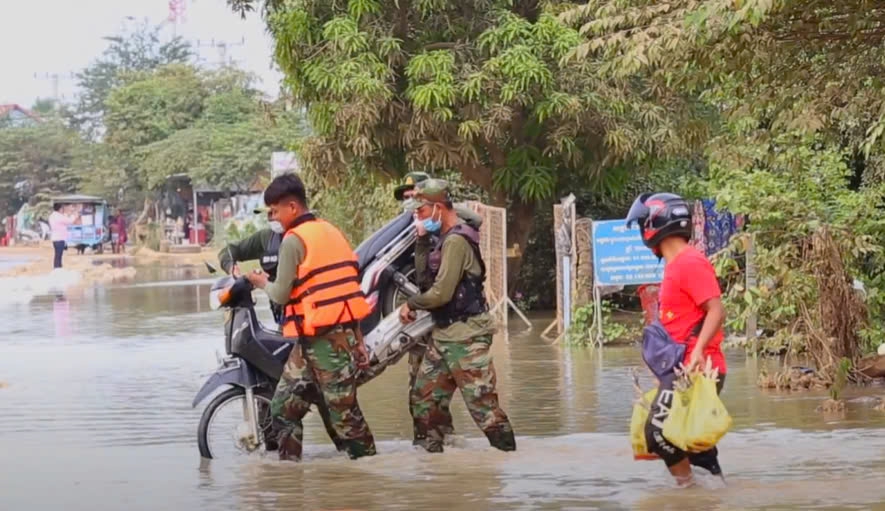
<point>411,204</point>
<point>409,182</point>
<point>432,191</point>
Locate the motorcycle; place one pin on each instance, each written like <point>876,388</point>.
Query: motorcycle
<point>255,355</point>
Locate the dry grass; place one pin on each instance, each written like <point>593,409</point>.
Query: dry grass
<point>828,329</point>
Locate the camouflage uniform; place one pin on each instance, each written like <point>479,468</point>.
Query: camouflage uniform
<point>412,181</point>
<point>458,355</point>
<point>444,424</point>
<point>468,366</point>
<point>328,362</point>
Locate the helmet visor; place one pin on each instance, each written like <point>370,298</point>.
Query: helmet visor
<point>638,211</point>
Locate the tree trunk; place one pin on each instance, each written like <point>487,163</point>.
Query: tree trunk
<point>142,218</point>
<point>520,215</point>
<point>520,219</point>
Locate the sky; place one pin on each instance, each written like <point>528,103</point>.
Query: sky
<point>44,37</point>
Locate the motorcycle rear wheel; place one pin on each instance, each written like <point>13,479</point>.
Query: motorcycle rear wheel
<point>262,398</point>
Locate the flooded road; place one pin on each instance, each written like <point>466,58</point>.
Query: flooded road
<point>97,416</point>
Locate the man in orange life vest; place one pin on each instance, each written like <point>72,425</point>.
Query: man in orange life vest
<point>317,280</point>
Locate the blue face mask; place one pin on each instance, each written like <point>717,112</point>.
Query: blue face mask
<point>431,225</point>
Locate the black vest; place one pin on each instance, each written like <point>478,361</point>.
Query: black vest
<point>469,298</point>
<point>271,256</point>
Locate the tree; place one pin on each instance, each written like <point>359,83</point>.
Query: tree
<point>36,162</point>
<point>45,107</point>
<point>128,52</point>
<point>211,125</point>
<point>798,90</point>
<point>473,86</point>
<point>809,66</point>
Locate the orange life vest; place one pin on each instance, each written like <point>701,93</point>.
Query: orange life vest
<point>326,292</point>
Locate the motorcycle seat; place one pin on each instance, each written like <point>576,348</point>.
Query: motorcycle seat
<point>271,339</point>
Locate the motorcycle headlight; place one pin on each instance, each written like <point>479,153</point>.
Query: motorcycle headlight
<point>218,297</point>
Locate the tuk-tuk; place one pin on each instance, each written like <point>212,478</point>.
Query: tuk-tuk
<point>92,228</point>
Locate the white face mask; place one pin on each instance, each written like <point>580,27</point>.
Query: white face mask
<point>276,227</point>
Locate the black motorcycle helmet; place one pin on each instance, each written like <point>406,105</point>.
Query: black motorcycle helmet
<point>660,215</point>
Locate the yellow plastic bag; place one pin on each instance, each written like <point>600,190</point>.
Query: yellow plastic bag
<point>698,418</point>
<point>637,427</point>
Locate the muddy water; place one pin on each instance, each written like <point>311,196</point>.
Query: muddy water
<point>97,416</point>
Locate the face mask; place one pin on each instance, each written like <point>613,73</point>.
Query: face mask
<point>276,227</point>
<point>431,225</point>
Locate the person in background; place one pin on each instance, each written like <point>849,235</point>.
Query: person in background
<point>187,227</point>
<point>412,183</point>
<point>690,310</point>
<point>318,280</point>
<point>120,222</point>
<point>264,246</point>
<point>458,356</point>
<point>115,233</point>
<point>58,224</point>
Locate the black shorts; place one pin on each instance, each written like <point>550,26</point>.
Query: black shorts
<point>654,437</point>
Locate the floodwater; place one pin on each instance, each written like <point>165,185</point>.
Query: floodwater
<point>96,415</point>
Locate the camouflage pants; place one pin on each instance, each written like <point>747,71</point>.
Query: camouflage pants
<point>416,357</point>
<point>326,361</point>
<point>465,365</point>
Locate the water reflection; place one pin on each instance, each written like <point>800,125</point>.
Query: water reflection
<point>98,408</point>
<point>61,317</point>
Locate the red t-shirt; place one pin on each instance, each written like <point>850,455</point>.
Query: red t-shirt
<point>689,281</point>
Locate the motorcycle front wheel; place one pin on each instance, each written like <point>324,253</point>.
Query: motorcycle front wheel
<point>224,431</point>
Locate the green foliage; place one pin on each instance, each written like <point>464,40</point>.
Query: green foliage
<point>211,126</point>
<point>583,330</point>
<point>235,231</point>
<point>128,52</point>
<point>358,204</point>
<point>144,115</point>
<point>791,188</point>
<point>796,94</point>
<point>476,87</point>
<point>37,162</point>
<point>152,106</point>
<point>841,379</point>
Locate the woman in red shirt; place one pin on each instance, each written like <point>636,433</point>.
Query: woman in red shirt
<point>690,310</point>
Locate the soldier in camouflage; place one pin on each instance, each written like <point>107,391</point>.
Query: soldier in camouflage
<point>412,182</point>
<point>327,361</point>
<point>458,356</point>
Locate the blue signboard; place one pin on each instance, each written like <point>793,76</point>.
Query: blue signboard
<point>620,258</point>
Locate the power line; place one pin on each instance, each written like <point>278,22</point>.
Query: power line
<point>55,78</point>
<point>223,48</point>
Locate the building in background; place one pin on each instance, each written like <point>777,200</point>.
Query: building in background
<point>13,115</point>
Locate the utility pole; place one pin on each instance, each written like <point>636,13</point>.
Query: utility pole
<point>223,48</point>
<point>55,78</point>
